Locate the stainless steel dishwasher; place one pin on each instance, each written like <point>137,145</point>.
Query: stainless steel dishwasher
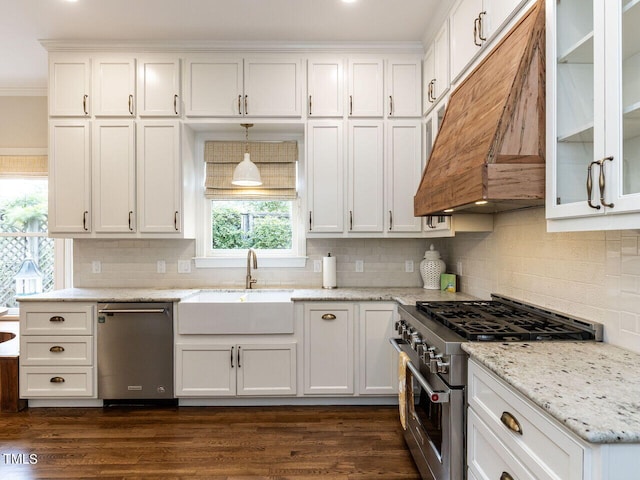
<point>135,351</point>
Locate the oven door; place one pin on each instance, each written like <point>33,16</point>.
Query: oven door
<point>435,421</point>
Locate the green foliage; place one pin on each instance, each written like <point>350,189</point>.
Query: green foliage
<point>251,224</point>
<point>25,213</point>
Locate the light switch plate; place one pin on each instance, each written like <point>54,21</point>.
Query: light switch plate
<point>161,266</point>
<point>359,266</point>
<point>96,266</point>
<point>184,266</point>
<point>408,266</point>
<point>317,266</point>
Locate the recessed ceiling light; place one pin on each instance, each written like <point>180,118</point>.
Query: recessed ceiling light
<point>72,1</point>
<point>349,1</point>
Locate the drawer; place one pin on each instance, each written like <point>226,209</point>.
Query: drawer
<point>544,447</point>
<point>38,382</point>
<point>488,457</point>
<point>49,351</point>
<point>61,318</point>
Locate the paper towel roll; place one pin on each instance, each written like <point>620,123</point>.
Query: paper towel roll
<point>329,272</point>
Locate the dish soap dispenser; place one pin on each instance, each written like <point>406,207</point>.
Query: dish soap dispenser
<point>431,267</point>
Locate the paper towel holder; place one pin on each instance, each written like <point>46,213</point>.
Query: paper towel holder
<point>329,274</point>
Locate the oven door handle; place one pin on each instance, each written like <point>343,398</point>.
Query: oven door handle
<point>434,396</point>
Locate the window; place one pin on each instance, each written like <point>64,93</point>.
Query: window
<point>261,225</point>
<point>26,254</point>
<point>265,218</point>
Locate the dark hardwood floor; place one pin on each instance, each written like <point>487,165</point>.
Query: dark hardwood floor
<point>204,442</point>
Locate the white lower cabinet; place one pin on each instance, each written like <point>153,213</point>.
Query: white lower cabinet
<point>230,369</point>
<point>328,348</point>
<point>510,437</point>
<point>378,361</point>
<point>57,350</point>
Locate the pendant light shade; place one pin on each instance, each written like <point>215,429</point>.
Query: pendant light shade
<point>246,173</point>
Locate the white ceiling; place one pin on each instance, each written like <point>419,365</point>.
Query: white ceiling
<point>23,60</point>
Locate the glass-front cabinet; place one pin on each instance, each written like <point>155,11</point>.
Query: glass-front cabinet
<point>593,114</point>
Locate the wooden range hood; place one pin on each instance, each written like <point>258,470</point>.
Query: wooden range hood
<point>491,144</point>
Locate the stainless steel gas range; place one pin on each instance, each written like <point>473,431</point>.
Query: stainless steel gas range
<point>432,334</point>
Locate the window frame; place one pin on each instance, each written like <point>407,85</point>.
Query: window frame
<point>206,257</point>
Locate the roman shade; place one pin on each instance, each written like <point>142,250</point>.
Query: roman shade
<point>23,166</point>
<point>276,161</point>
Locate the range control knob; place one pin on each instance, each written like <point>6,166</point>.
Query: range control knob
<point>416,339</point>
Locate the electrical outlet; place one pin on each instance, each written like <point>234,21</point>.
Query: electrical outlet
<point>184,266</point>
<point>96,266</point>
<point>161,266</point>
<point>317,266</point>
<point>359,266</point>
<point>408,266</point>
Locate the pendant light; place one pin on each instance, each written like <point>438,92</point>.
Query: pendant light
<point>246,173</point>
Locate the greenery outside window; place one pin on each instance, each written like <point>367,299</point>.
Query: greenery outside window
<point>23,236</point>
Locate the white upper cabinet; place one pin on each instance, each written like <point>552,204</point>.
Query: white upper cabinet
<point>69,86</point>
<point>366,88</point>
<point>436,69</point>
<point>365,177</point>
<point>224,86</point>
<point>325,173</point>
<point>272,87</point>
<point>325,84</point>
<point>404,78</point>
<point>403,173</point>
<point>69,176</point>
<point>213,87</point>
<point>114,176</point>
<point>159,87</point>
<point>593,105</point>
<point>114,86</point>
<point>473,23</point>
<point>159,178</point>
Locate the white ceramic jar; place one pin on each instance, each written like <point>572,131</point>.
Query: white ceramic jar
<point>431,267</point>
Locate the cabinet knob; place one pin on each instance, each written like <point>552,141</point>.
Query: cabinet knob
<point>56,318</point>
<point>328,316</point>
<point>57,380</point>
<point>56,349</point>
<point>505,476</point>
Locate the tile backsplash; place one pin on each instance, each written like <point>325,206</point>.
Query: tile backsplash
<point>595,275</point>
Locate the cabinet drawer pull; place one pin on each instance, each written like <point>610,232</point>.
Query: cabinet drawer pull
<point>232,348</point>
<point>131,104</point>
<point>475,31</point>
<point>310,220</point>
<point>239,103</point>
<point>175,221</point>
<point>57,380</point>
<point>511,423</point>
<point>310,105</point>
<point>505,476</point>
<point>328,316</point>
<point>390,105</point>
<point>350,104</point>
<point>56,318</point>
<point>239,349</point>
<point>56,349</point>
<point>175,104</point>
<point>84,104</point>
<point>84,221</point>
<point>130,215</point>
<point>246,110</point>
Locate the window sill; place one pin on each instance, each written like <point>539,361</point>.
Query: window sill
<point>265,261</point>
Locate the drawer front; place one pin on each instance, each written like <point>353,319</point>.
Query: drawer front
<point>36,382</point>
<point>45,350</point>
<point>61,320</point>
<point>546,449</point>
<point>488,457</point>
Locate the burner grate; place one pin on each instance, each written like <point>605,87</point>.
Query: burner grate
<point>494,321</point>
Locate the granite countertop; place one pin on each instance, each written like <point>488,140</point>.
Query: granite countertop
<point>398,294</point>
<point>593,388</point>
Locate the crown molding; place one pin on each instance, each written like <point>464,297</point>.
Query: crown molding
<point>178,46</point>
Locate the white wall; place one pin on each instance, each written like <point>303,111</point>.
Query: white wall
<point>23,122</point>
<point>594,275</point>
